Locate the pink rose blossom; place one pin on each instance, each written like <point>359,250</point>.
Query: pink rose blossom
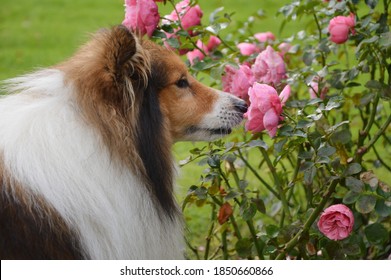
<point>264,37</point>
<point>284,48</point>
<point>269,67</point>
<point>238,81</point>
<point>213,43</point>
<point>141,16</point>
<point>189,15</point>
<point>264,112</point>
<point>196,53</point>
<point>336,222</point>
<point>340,27</point>
<point>248,48</point>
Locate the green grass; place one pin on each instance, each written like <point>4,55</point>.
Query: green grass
<point>39,33</point>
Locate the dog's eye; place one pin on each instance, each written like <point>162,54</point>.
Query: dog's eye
<point>182,83</point>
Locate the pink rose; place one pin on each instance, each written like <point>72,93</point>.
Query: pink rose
<point>340,27</point>
<point>141,16</point>
<point>336,222</point>
<point>238,81</point>
<point>188,15</point>
<point>269,67</point>
<point>264,37</point>
<point>284,48</point>
<point>213,43</point>
<point>248,48</point>
<point>196,53</point>
<point>265,108</point>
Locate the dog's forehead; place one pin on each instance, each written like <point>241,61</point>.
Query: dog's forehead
<point>167,59</point>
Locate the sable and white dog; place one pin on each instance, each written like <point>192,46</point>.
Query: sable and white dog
<point>86,170</point>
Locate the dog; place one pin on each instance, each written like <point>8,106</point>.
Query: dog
<point>86,170</point>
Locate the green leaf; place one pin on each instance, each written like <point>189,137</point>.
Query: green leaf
<point>272,231</point>
<point>373,84</point>
<point>258,143</point>
<point>382,208</point>
<point>214,161</point>
<point>342,137</point>
<point>385,40</point>
<point>243,247</point>
<point>306,165</point>
<point>231,195</point>
<point>353,168</point>
<point>259,204</point>
<point>173,42</point>
<point>326,151</point>
<point>168,28</point>
<point>365,204</point>
<point>248,211</point>
<point>201,193</point>
<point>354,184</point>
<point>350,197</point>
<point>376,233</point>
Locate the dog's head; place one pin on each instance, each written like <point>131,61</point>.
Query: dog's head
<point>121,70</point>
<point>141,98</point>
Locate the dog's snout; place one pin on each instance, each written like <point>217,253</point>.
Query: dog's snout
<point>240,106</point>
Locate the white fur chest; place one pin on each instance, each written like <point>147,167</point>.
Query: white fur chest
<point>54,153</point>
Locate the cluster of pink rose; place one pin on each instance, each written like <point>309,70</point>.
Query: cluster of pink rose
<point>255,80</point>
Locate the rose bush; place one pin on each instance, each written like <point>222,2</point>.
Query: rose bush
<point>270,185</point>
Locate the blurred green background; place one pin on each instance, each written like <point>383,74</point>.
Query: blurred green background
<point>39,33</point>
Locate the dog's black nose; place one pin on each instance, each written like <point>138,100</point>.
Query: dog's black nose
<point>240,106</point>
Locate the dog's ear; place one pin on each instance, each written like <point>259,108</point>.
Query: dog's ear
<point>126,59</point>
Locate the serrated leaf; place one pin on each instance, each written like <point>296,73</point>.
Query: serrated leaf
<point>373,84</point>
<point>259,204</point>
<point>365,204</point>
<point>354,184</point>
<point>258,143</point>
<point>350,197</point>
<point>173,42</point>
<point>306,165</point>
<point>306,154</point>
<point>272,231</point>
<point>231,195</point>
<point>376,233</point>
<point>201,192</point>
<point>326,151</point>
<point>248,211</point>
<point>353,168</point>
<point>385,40</point>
